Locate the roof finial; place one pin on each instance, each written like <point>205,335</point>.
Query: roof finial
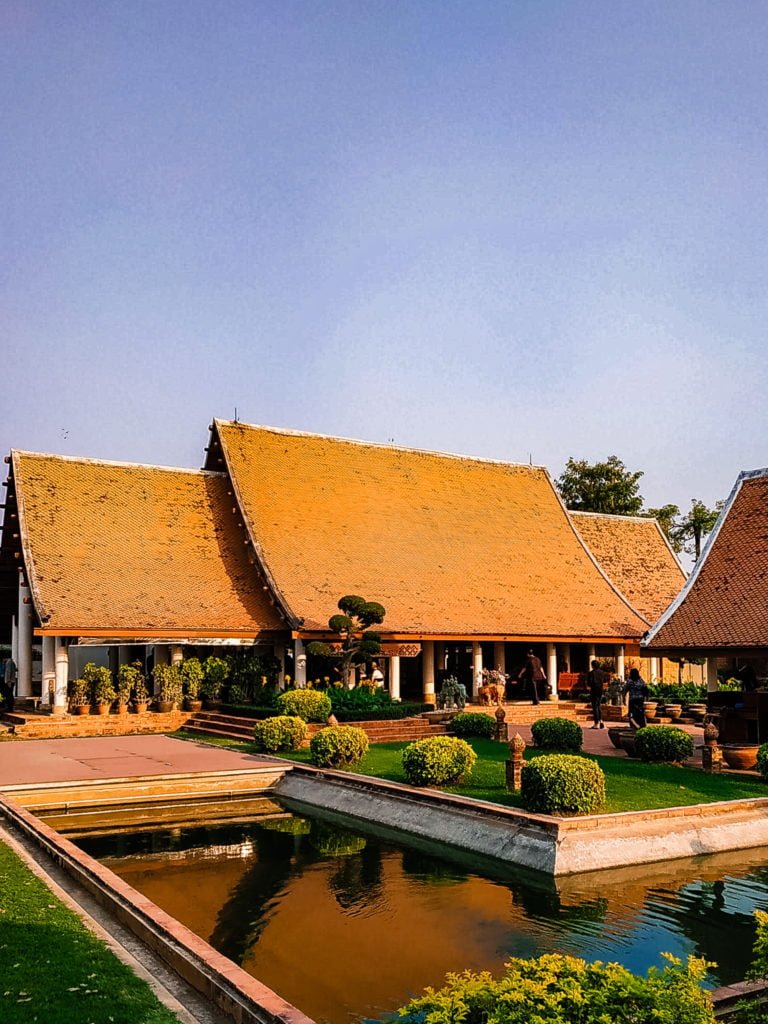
<point>236,419</point>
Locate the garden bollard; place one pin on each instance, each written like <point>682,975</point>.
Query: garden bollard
<point>711,754</point>
<point>515,762</point>
<point>501,725</point>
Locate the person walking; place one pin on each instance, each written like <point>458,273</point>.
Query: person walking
<point>596,680</point>
<point>637,691</point>
<point>533,674</point>
<point>9,684</point>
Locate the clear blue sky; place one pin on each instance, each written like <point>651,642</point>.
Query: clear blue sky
<point>505,229</point>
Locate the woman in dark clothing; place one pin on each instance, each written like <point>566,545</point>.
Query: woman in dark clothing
<point>637,690</point>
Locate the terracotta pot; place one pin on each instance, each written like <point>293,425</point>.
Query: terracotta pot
<point>673,710</point>
<point>193,705</point>
<point>140,707</point>
<point>627,742</point>
<point>122,709</point>
<point>165,706</point>
<point>614,734</point>
<point>102,709</point>
<point>82,709</point>
<point>650,708</point>
<point>742,756</point>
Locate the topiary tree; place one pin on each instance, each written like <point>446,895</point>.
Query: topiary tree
<point>310,705</point>
<point>338,746</point>
<point>281,732</point>
<point>473,723</point>
<point>562,784</point>
<point>557,734</point>
<point>437,761</point>
<point>358,643</point>
<point>663,744</point>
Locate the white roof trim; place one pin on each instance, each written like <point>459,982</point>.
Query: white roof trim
<point>112,462</point>
<point>749,474</point>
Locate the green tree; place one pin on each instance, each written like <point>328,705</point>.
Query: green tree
<point>693,527</point>
<point>667,518</point>
<point>606,487</point>
<point>358,643</point>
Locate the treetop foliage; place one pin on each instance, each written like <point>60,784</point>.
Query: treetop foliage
<point>607,487</point>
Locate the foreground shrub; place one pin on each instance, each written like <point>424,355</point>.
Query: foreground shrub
<point>557,734</point>
<point>437,761</point>
<point>310,705</point>
<point>556,989</point>
<point>283,732</point>
<point>473,723</point>
<point>663,743</point>
<point>338,746</point>
<point>562,784</point>
<point>762,760</point>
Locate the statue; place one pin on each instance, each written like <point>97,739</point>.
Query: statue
<point>452,695</point>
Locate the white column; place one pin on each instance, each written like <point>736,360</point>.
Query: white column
<point>653,670</point>
<point>61,669</point>
<point>500,656</point>
<point>477,667</point>
<point>49,669</point>
<point>620,661</point>
<point>24,663</point>
<point>428,671</point>
<point>552,670</point>
<point>394,677</point>
<point>14,641</point>
<point>566,650</point>
<point>712,682</point>
<point>177,654</point>
<point>279,650</point>
<point>300,663</point>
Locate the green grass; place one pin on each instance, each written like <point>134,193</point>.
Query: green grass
<point>56,971</point>
<point>630,785</point>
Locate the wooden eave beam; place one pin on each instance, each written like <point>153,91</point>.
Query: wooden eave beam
<point>204,634</point>
<point>307,634</point>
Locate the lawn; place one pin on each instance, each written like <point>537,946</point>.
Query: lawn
<point>630,785</point>
<point>56,971</point>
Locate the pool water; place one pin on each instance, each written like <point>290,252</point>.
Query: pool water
<point>347,925</point>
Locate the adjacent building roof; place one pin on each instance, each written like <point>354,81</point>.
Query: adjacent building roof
<point>637,556</point>
<point>111,547</point>
<point>449,545</point>
<point>725,602</point>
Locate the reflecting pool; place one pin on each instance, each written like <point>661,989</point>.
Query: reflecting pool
<point>348,925</point>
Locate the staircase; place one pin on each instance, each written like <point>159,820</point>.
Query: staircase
<point>233,727</point>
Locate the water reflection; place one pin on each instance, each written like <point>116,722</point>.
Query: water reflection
<point>349,925</point>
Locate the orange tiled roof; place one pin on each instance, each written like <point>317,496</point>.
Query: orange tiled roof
<point>111,546</point>
<point>635,554</point>
<point>449,545</point>
<point>725,602</point>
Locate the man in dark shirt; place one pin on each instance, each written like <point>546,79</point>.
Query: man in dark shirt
<point>596,680</point>
<point>533,674</point>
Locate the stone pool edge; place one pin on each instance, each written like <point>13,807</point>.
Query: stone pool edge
<point>245,999</point>
<point>555,846</point>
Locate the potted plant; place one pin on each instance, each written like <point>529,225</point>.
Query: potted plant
<point>215,671</point>
<point>167,687</point>
<point>673,709</point>
<point>123,688</point>
<point>192,673</point>
<point>140,691</point>
<point>79,697</point>
<point>102,691</point>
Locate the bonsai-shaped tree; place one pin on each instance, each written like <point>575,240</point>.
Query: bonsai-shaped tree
<point>167,683</point>
<point>192,673</point>
<point>358,642</point>
<point>126,675</point>
<point>99,679</point>
<point>215,671</point>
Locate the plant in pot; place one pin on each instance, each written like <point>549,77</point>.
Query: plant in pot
<point>192,673</point>
<point>80,697</point>
<point>215,671</point>
<point>168,687</point>
<point>99,678</point>
<point>128,677</point>
<point>140,691</point>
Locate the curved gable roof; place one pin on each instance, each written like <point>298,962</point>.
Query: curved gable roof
<point>636,556</point>
<point>725,602</point>
<point>123,547</point>
<point>449,545</point>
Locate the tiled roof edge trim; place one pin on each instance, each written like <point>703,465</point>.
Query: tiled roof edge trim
<point>26,550</point>
<point>747,474</point>
<point>635,519</point>
<point>293,620</point>
<point>378,444</point>
<point>83,460</point>
<point>587,549</point>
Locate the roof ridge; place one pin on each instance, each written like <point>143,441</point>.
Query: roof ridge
<point>82,459</point>
<point>378,444</point>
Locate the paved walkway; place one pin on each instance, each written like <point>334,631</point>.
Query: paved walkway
<point>107,757</point>
<point>597,741</point>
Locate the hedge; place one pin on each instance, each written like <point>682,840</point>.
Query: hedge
<point>282,732</point>
<point>338,746</point>
<point>311,705</point>
<point>663,743</point>
<point>562,784</point>
<point>437,761</point>
<point>557,734</point>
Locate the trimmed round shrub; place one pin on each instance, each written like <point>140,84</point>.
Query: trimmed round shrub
<point>473,723</point>
<point>311,705</point>
<point>762,760</point>
<point>282,732</point>
<point>562,784</point>
<point>556,988</point>
<point>663,743</point>
<point>437,761</point>
<point>557,734</point>
<point>338,746</point>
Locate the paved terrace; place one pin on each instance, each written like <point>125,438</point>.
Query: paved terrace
<point>108,757</point>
